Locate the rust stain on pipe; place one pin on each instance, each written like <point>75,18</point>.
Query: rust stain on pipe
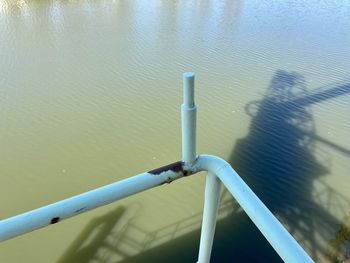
<point>54,220</point>
<point>175,167</point>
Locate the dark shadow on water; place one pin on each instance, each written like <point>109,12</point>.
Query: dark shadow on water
<point>277,159</point>
<point>116,237</point>
<point>91,239</point>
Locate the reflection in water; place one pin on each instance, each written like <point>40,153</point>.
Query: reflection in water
<point>277,158</point>
<point>87,244</point>
<point>339,246</point>
<point>115,237</point>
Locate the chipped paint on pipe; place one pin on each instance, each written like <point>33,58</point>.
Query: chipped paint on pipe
<point>280,239</point>
<point>56,212</point>
<point>175,167</point>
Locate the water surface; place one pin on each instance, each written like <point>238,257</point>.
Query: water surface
<point>90,93</point>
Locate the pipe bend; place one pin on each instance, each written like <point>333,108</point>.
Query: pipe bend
<point>280,239</point>
<point>209,163</point>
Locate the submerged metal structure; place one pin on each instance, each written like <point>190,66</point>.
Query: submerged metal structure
<point>218,172</point>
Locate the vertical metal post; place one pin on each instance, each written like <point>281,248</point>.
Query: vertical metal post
<point>189,118</point>
<point>211,205</point>
<point>213,184</point>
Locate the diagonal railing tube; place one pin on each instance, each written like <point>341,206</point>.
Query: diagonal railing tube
<point>279,238</point>
<point>75,205</point>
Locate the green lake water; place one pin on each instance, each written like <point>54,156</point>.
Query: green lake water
<point>90,93</point>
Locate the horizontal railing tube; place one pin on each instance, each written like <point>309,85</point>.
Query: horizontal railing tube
<point>280,239</point>
<point>56,212</point>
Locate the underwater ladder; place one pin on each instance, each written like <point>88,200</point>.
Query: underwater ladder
<point>218,172</point>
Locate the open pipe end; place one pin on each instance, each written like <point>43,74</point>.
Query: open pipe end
<point>188,74</point>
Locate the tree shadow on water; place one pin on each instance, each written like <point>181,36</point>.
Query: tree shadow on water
<point>278,160</point>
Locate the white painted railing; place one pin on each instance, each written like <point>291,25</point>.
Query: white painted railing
<point>219,172</point>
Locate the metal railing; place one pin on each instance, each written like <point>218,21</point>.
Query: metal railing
<point>219,172</point>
